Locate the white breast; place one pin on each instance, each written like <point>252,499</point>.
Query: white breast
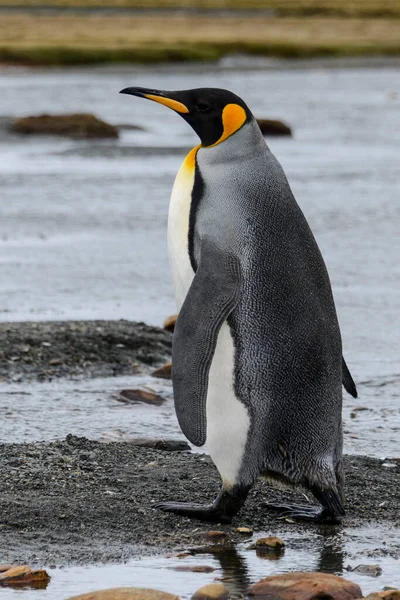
<point>227,418</point>
<point>178,232</point>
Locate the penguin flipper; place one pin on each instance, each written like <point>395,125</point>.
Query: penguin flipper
<point>348,381</point>
<point>214,293</point>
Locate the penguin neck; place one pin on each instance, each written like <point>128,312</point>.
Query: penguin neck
<point>240,146</point>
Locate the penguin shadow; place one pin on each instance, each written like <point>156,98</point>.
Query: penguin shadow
<point>238,567</point>
<point>235,572</point>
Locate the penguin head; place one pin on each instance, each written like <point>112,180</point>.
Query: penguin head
<point>214,114</point>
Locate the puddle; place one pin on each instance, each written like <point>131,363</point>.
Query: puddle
<point>236,567</point>
<point>89,408</point>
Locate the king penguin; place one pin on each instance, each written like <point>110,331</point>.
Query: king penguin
<point>257,363</point>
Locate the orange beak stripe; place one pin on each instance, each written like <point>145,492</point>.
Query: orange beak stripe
<point>174,104</point>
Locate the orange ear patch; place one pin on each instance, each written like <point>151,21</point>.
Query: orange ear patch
<point>174,104</point>
<point>190,160</point>
<point>233,117</point>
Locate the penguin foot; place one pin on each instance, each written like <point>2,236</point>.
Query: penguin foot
<point>303,512</point>
<point>225,506</point>
<point>203,512</point>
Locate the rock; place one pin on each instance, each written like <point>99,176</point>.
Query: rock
<point>164,372</point>
<point>126,594</point>
<point>25,576</point>
<point>244,530</point>
<point>387,594</point>
<point>136,396</point>
<point>273,127</point>
<point>213,591</point>
<point>5,568</point>
<point>269,547</point>
<point>214,536</point>
<point>194,568</point>
<point>270,542</point>
<point>169,323</point>
<point>159,444</point>
<point>75,125</point>
<point>305,586</point>
<point>371,570</point>
<point>129,126</point>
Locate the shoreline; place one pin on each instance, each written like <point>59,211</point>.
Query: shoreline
<point>79,502</point>
<point>46,350</point>
<point>69,38</point>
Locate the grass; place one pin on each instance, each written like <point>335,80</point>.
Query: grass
<point>348,8</point>
<point>70,38</point>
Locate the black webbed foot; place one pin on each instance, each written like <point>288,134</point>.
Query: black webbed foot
<point>222,510</point>
<point>304,512</point>
<point>203,512</point>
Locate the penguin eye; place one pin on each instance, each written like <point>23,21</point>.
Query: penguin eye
<point>203,106</point>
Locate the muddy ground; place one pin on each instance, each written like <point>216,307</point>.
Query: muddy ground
<point>43,351</point>
<point>84,501</point>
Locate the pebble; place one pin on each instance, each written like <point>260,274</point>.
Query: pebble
<point>213,591</point>
<point>371,570</point>
<point>131,593</point>
<point>164,372</point>
<point>304,586</point>
<point>136,396</point>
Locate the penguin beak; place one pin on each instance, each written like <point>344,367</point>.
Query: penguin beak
<point>166,98</point>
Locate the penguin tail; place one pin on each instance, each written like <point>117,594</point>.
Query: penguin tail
<point>348,381</point>
<point>330,499</point>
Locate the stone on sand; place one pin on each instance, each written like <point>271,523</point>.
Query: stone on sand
<point>305,586</point>
<point>79,125</point>
<point>131,593</point>
<point>213,591</point>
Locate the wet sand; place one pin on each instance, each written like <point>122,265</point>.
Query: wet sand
<point>80,349</point>
<point>83,501</point>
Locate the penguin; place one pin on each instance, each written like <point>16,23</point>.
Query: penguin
<point>257,363</point>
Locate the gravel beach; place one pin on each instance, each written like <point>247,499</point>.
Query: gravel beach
<point>80,349</point>
<point>83,501</point>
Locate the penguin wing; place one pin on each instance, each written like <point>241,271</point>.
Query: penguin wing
<point>347,380</point>
<point>214,293</point>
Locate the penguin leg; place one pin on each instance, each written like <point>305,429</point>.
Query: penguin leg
<point>330,513</point>
<point>225,506</point>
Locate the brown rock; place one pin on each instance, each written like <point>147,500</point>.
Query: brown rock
<point>126,594</point>
<point>213,591</point>
<point>244,530</point>
<point>169,323</point>
<point>213,535</point>
<point>270,542</point>
<point>269,547</point>
<point>76,126</point>
<point>193,568</point>
<point>305,586</point>
<point>164,372</point>
<point>273,127</point>
<point>135,396</point>
<point>24,576</point>
<point>387,594</point>
<point>5,568</point>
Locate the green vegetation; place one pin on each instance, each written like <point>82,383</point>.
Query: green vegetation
<point>350,8</point>
<point>70,38</point>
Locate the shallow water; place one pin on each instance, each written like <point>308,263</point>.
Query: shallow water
<point>49,411</point>
<point>237,567</point>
